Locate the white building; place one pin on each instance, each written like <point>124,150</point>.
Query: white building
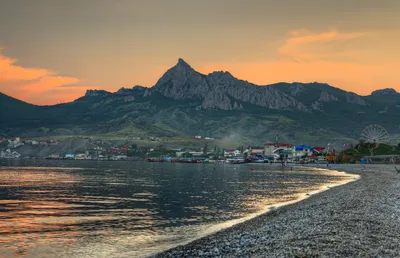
<point>271,149</point>
<point>8,154</point>
<point>231,153</point>
<point>70,155</point>
<point>302,150</point>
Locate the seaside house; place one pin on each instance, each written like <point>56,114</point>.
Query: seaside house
<point>273,149</point>
<point>255,151</point>
<point>81,156</point>
<point>54,156</point>
<point>125,149</point>
<point>119,157</point>
<point>303,150</point>
<point>115,150</point>
<point>231,153</point>
<point>70,155</point>
<point>8,154</point>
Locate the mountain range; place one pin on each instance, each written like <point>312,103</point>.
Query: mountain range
<point>185,102</point>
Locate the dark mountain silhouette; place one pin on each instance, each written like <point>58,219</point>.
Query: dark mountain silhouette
<point>185,102</point>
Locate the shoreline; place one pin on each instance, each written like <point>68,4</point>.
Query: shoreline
<point>330,223</point>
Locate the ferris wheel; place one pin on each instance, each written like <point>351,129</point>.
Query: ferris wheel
<point>375,134</point>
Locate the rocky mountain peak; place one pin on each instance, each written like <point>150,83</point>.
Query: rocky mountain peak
<point>221,74</point>
<point>327,97</point>
<point>183,64</point>
<point>97,93</point>
<point>385,92</point>
<point>296,89</point>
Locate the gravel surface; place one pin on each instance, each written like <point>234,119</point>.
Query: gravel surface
<point>359,219</point>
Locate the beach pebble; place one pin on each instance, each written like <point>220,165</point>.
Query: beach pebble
<point>359,219</point>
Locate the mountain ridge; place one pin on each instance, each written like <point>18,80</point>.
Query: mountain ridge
<point>185,102</point>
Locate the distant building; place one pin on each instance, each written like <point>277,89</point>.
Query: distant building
<point>70,155</point>
<point>271,149</point>
<point>125,149</point>
<point>81,156</point>
<point>302,150</point>
<point>231,153</point>
<point>119,157</point>
<point>8,154</point>
<point>255,151</point>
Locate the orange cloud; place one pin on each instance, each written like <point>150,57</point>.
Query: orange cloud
<point>35,85</point>
<point>341,59</point>
<point>11,72</point>
<point>304,45</point>
<point>47,83</point>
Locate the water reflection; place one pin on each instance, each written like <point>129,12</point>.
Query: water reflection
<point>133,209</point>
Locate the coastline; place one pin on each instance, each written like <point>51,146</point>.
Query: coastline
<point>361,218</point>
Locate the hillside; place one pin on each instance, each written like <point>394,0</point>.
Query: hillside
<point>362,150</point>
<point>185,102</point>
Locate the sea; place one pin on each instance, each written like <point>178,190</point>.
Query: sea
<point>137,209</point>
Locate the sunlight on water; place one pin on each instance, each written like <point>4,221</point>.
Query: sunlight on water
<point>135,209</point>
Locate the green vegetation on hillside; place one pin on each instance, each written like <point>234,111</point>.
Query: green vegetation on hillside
<point>362,150</point>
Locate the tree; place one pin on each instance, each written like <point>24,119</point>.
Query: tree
<point>205,149</point>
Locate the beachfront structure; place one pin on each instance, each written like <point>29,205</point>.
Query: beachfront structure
<point>271,149</point>
<point>302,151</point>
<point>255,151</point>
<point>70,155</point>
<point>8,154</point>
<point>231,153</point>
<point>193,153</point>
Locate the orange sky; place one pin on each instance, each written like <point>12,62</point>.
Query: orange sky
<point>53,51</point>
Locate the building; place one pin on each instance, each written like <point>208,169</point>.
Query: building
<point>54,156</point>
<point>302,150</point>
<point>271,149</point>
<point>81,156</point>
<point>231,153</point>
<point>70,155</point>
<point>125,149</point>
<point>255,151</point>
<point>8,154</point>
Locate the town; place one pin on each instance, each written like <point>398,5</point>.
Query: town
<point>98,150</point>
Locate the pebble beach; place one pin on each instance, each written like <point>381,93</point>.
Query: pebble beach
<point>358,219</point>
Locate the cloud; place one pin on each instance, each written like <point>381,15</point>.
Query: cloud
<point>345,60</point>
<point>304,45</point>
<point>37,85</point>
<point>11,72</point>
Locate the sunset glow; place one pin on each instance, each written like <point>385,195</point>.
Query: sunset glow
<point>108,45</point>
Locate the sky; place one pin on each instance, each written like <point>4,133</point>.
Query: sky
<point>52,51</point>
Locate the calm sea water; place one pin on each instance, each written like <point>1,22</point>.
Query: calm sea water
<point>132,209</point>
